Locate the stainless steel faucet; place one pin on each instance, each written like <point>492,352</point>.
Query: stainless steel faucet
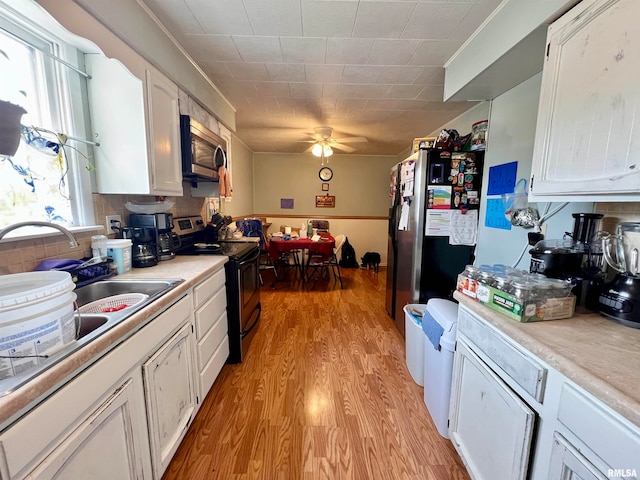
<point>72,240</point>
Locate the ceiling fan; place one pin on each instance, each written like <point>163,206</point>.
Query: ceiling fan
<point>323,144</point>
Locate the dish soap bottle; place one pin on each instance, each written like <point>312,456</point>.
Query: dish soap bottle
<point>309,229</point>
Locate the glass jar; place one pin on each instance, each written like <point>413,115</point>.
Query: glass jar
<point>472,272</point>
<point>523,291</point>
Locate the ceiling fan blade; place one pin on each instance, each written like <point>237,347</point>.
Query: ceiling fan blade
<point>308,150</point>
<point>350,140</point>
<point>344,148</point>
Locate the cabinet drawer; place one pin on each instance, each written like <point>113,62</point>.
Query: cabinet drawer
<point>209,313</point>
<point>211,370</point>
<point>617,443</point>
<point>206,289</point>
<point>211,340</point>
<point>515,363</point>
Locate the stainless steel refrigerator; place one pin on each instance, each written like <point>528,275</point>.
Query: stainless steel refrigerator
<point>421,261</point>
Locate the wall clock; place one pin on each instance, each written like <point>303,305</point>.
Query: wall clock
<point>325,174</point>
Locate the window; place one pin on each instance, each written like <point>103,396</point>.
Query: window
<point>49,176</point>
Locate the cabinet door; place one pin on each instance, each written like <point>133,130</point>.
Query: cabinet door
<point>170,396</point>
<point>587,136</point>
<point>569,464</point>
<point>489,425</point>
<point>110,444</point>
<point>163,135</point>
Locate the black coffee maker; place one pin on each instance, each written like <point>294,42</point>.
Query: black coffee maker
<point>143,231</point>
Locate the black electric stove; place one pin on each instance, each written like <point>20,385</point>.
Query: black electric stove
<point>241,278</point>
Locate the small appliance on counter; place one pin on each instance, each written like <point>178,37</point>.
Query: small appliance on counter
<point>145,246</point>
<point>620,299</point>
<point>576,258</point>
<point>160,225</point>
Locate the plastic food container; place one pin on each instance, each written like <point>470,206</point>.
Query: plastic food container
<point>36,318</point>
<point>119,250</point>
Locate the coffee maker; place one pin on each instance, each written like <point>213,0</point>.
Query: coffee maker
<point>145,245</point>
<point>161,225</point>
<point>620,299</point>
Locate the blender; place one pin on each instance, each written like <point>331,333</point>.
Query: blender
<point>620,299</point>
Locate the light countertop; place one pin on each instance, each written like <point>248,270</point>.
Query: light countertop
<point>598,354</point>
<point>192,269</point>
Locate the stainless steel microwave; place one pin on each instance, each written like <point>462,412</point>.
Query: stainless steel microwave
<point>203,152</point>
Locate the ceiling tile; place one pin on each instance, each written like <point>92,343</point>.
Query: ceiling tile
<point>435,20</point>
<point>258,49</point>
<point>469,24</point>
<point>328,18</point>
<point>392,52</point>
<point>273,89</point>
<point>275,18</point>
<point>212,48</point>
<point>217,71</point>
<point>324,73</point>
<point>228,17</point>
<point>361,74</point>
<point>372,91</point>
<point>432,93</point>
<point>247,71</point>
<point>348,50</point>
<point>177,14</point>
<point>382,19</point>
<point>380,104</point>
<point>303,50</point>
<point>286,72</point>
<point>410,104</point>
<point>347,104</point>
<point>431,76</point>
<point>306,90</point>
<point>434,52</point>
<point>405,91</point>
<point>338,90</point>
<point>399,75</point>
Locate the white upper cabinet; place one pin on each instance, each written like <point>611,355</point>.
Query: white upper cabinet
<point>136,122</point>
<point>588,133</point>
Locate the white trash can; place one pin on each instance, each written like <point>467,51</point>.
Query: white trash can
<point>415,344</point>
<point>439,326</point>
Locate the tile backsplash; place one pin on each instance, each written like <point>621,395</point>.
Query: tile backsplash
<point>24,256</point>
<point>615,213</point>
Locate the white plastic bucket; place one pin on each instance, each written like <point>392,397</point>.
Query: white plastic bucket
<point>36,318</point>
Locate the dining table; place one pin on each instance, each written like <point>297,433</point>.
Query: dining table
<point>322,248</point>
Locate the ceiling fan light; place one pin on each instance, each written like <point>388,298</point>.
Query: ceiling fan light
<point>328,151</point>
<point>317,150</point>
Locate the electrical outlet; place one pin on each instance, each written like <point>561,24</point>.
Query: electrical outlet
<point>113,221</point>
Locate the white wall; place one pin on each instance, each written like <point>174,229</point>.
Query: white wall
<point>512,125</point>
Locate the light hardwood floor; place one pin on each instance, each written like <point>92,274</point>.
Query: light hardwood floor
<point>324,393</point>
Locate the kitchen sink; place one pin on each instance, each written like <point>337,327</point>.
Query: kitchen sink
<point>88,323</point>
<point>107,288</point>
<point>90,326</point>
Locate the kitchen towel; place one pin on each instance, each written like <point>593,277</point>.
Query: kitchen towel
<point>432,329</point>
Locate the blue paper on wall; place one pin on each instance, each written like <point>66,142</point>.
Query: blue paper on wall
<point>495,215</point>
<point>502,178</point>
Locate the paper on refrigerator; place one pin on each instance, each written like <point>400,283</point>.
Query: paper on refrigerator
<point>438,223</point>
<point>403,223</point>
<point>464,228</point>
<point>406,178</point>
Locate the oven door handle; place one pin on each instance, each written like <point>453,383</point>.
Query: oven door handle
<point>252,258</point>
<point>253,325</point>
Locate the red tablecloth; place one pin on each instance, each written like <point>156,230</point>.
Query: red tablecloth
<point>323,247</point>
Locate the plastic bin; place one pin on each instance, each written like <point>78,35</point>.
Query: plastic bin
<point>119,250</point>
<point>415,343</point>
<point>440,316</point>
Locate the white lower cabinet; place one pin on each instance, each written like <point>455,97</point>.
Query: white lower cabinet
<point>210,318</point>
<point>490,426</point>
<point>110,444</point>
<point>513,416</point>
<point>121,418</point>
<point>567,463</point>
<point>170,396</point>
